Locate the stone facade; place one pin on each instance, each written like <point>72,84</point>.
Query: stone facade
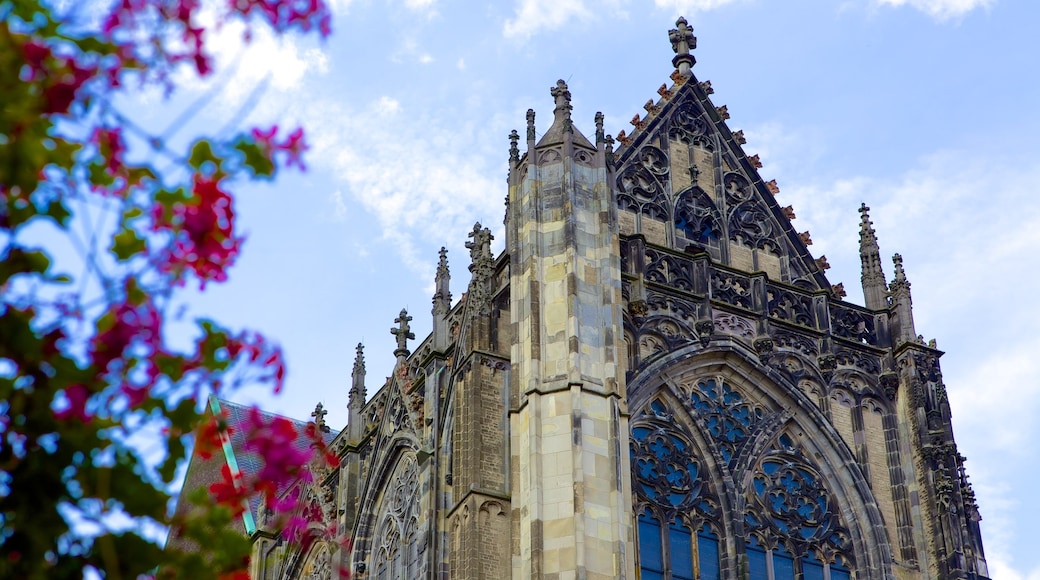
<point>655,379</point>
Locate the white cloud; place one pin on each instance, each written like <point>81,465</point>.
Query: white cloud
<point>942,9</point>
<point>534,16</point>
<point>461,64</point>
<point>277,58</point>
<point>424,189</point>
<point>690,6</point>
<point>339,207</point>
<point>420,5</point>
<point>386,106</point>
<point>425,58</point>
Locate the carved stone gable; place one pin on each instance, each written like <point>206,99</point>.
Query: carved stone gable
<point>685,179</point>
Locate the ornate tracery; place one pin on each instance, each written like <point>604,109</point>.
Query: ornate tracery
<point>396,541</point>
<point>782,520</point>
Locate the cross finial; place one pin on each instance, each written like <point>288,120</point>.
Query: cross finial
<point>864,217</point>
<point>319,417</point>
<point>442,263</point>
<point>514,151</point>
<point>563,103</point>
<point>898,261</point>
<point>403,332</point>
<point>683,41</point>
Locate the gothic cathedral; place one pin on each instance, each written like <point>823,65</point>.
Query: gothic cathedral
<point>653,380</point>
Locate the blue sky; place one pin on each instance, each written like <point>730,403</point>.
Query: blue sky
<point>924,109</point>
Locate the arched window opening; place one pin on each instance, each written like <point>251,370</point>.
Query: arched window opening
<point>790,518</point>
<point>675,552</point>
<point>396,553</point>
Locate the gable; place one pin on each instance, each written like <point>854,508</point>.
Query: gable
<point>683,180</point>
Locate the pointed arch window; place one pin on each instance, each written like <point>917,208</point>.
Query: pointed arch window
<point>790,524</point>
<point>397,547</point>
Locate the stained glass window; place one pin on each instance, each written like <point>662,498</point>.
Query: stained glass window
<point>790,517</point>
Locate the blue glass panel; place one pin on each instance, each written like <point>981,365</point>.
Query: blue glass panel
<point>708,553</point>
<point>650,575</point>
<point>681,552</point>
<point>783,565</point>
<point>757,561</point>
<point>839,572</point>
<point>649,545</point>
<point>812,571</point>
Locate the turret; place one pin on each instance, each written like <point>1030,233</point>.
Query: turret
<point>355,423</point>
<point>441,303</point>
<point>903,326</point>
<point>875,290</point>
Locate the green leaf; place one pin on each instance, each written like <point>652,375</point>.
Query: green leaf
<point>127,244</point>
<point>202,153</point>
<point>253,158</point>
<point>57,211</point>
<point>18,260</point>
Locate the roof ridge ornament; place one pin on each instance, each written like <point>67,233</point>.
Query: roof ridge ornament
<point>683,41</point>
<point>563,104</point>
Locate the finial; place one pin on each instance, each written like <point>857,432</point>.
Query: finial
<point>900,274</point>
<point>359,359</point>
<point>514,151</point>
<point>683,41</point>
<point>563,104</point>
<point>609,150</point>
<point>599,127</point>
<point>865,223</point>
<point>442,263</point>
<point>319,418</point>
<point>530,125</point>
<point>403,333</point>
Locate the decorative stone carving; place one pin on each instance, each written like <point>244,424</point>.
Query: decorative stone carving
<point>482,266</point>
<point>696,217</point>
<point>763,345</point>
<point>852,324</point>
<point>790,306</point>
<point>731,288</point>
<point>688,124</point>
<point>734,325</point>
<point>704,329</point>
<point>889,382</point>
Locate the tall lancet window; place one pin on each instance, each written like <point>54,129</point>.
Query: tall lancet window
<point>788,528</point>
<point>396,548</point>
<point>677,512</point>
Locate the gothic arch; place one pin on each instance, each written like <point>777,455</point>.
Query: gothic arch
<point>387,469</point>
<point>792,424</point>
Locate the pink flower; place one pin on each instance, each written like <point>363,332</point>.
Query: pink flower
<point>76,396</point>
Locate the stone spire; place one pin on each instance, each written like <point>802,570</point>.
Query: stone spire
<point>875,289</point>
<point>442,295</point>
<point>356,403</point>
<point>403,332</point>
<point>441,303</point>
<point>903,329</point>
<point>683,41</point>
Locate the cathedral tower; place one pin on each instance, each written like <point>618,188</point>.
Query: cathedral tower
<point>654,380</point>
